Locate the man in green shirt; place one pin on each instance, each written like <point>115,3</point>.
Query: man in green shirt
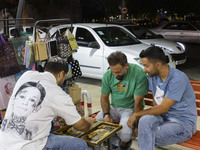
<point>127,84</point>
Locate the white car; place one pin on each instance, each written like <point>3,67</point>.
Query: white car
<point>97,41</point>
<point>181,31</point>
<point>176,49</point>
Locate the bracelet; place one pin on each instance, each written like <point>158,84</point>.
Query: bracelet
<point>105,114</point>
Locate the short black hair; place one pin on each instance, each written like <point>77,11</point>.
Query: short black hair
<point>56,64</point>
<point>117,58</point>
<point>155,54</point>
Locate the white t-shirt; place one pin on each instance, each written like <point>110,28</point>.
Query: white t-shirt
<point>27,122</point>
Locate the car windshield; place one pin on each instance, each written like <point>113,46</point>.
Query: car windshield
<point>141,33</point>
<point>115,36</point>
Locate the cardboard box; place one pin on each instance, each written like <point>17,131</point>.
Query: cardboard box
<point>75,93</point>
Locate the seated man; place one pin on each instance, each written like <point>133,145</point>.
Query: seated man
<point>127,84</point>
<point>173,119</point>
<point>36,100</point>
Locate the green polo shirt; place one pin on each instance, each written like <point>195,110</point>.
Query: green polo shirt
<point>122,92</point>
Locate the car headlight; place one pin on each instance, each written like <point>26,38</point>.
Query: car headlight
<point>181,45</point>
<point>139,61</point>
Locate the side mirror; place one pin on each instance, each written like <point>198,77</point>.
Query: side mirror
<point>94,44</point>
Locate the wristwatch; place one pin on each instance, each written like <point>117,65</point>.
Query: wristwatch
<point>105,114</point>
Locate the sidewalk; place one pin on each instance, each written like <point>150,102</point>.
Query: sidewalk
<point>94,88</point>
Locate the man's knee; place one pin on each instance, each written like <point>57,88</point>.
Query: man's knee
<point>125,136</point>
<point>99,116</point>
<point>146,119</point>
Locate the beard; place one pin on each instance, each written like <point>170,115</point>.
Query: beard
<point>120,77</point>
<point>152,74</point>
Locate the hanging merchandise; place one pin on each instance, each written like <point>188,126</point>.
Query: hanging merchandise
<point>2,39</point>
<point>8,61</point>
<point>66,44</point>
<point>29,56</point>
<point>69,73</point>
<point>52,47</point>
<point>40,49</point>
<point>72,40</point>
<point>2,115</point>
<point>76,70</point>
<point>19,46</point>
<point>6,88</point>
<point>63,46</point>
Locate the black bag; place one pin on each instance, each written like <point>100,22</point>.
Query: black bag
<point>8,61</point>
<point>52,48</point>
<point>64,49</point>
<point>76,70</point>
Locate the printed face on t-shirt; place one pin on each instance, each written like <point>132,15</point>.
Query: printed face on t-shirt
<point>26,101</point>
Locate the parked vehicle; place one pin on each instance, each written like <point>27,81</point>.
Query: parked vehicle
<point>97,41</point>
<point>181,31</point>
<point>176,49</point>
<point>25,31</point>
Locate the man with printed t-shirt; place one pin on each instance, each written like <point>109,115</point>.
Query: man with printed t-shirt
<point>127,84</point>
<point>36,100</point>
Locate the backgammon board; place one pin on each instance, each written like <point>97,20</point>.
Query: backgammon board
<point>99,132</point>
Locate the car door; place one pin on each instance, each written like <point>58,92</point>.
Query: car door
<point>171,32</point>
<point>188,33</point>
<point>90,59</point>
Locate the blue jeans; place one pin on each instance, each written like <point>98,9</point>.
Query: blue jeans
<point>157,131</point>
<point>60,142</point>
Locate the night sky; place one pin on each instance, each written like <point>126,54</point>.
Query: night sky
<point>137,8</point>
<point>104,8</point>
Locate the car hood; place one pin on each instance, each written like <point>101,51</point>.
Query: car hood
<point>170,46</point>
<point>133,50</point>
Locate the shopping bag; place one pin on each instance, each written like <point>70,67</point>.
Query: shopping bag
<point>76,70</point>
<point>8,60</point>
<point>29,56</point>
<point>2,39</point>
<point>19,47</point>
<point>6,89</point>
<point>40,49</point>
<point>75,93</point>
<point>52,48</point>
<point>63,46</point>
<point>72,42</point>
